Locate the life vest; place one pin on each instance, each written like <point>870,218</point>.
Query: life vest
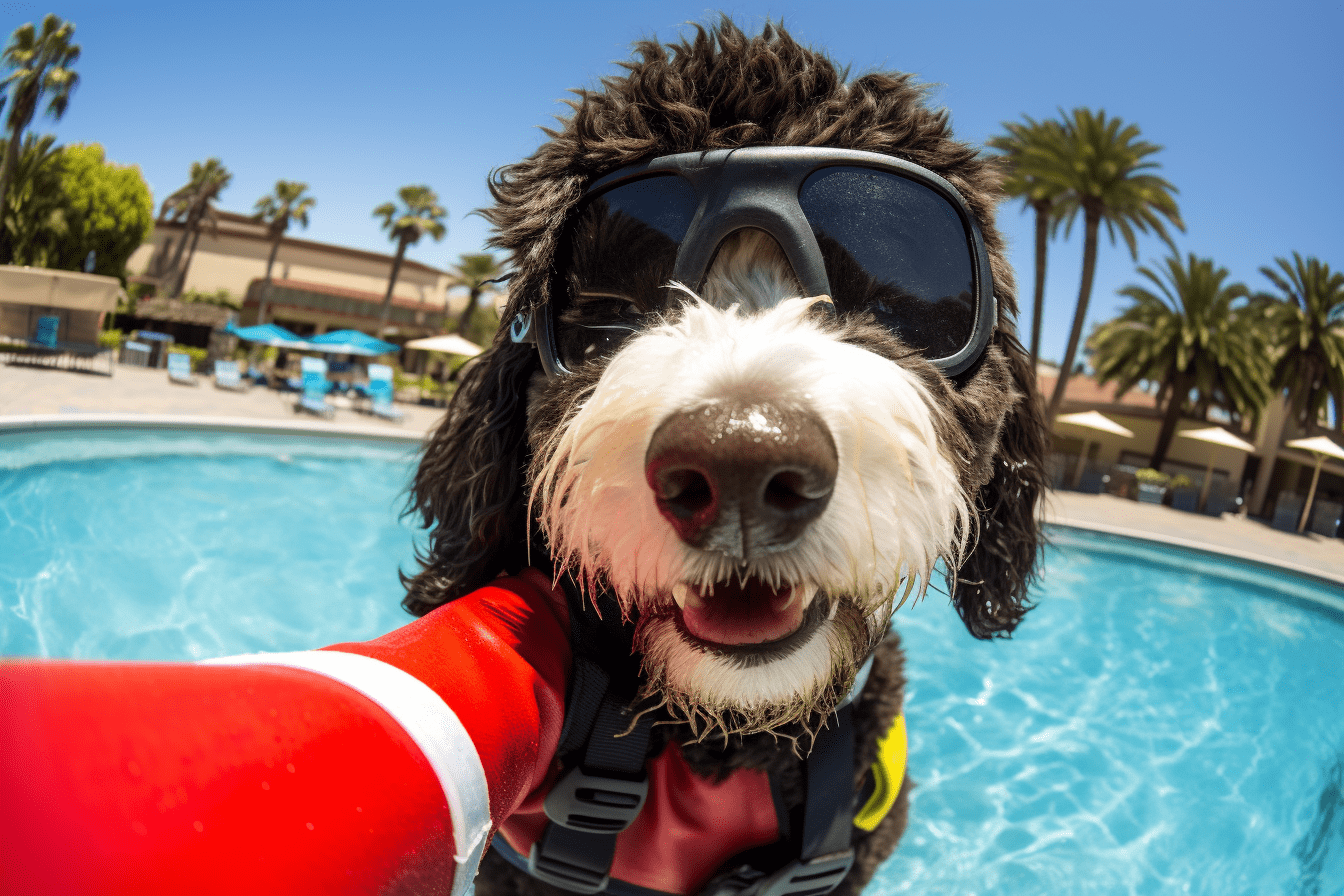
<point>609,784</point>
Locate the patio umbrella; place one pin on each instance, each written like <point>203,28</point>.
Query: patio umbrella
<point>268,334</point>
<point>451,344</point>
<point>1214,435</point>
<point>352,342</point>
<point>1091,420</point>
<point>1321,447</point>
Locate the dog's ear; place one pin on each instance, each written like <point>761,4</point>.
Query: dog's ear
<point>990,589</point>
<point>468,490</point>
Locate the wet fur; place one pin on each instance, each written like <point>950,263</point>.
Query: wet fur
<point>722,88</point>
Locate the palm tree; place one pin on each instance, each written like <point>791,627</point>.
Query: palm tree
<point>1027,147</point>
<point>474,270</point>
<point>286,203</point>
<point>1306,323</point>
<point>33,220</point>
<point>193,202</point>
<point>418,214</point>
<point>39,64</point>
<point>1195,335</point>
<point>1106,179</point>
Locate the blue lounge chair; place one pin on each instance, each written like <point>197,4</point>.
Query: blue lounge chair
<point>380,391</point>
<point>47,328</point>
<point>179,369</point>
<point>227,376</point>
<point>315,388</point>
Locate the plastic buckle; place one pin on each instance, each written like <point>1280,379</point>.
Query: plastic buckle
<point>595,803</point>
<point>572,861</point>
<point>808,877</point>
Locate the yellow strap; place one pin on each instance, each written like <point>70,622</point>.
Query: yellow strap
<point>888,772</point>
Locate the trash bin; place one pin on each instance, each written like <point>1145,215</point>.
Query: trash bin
<point>136,354</point>
<point>158,346</point>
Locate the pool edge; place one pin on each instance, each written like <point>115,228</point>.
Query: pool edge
<point>1316,575</point>
<point>30,423</point>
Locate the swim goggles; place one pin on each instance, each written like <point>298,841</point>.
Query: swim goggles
<point>875,233</point>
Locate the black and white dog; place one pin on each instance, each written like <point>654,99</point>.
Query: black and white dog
<point>759,377</point>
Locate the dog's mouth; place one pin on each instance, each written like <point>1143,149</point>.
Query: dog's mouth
<point>743,613</point>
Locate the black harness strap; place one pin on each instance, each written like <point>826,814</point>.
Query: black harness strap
<point>600,796</point>
<point>824,855</point>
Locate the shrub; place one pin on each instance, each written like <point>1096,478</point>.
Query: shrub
<point>1150,476</point>
<point>1180,480</point>
<point>110,339</point>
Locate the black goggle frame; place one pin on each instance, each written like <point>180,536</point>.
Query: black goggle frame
<point>758,187</point>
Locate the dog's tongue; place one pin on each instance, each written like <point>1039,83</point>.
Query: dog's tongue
<point>743,614</point>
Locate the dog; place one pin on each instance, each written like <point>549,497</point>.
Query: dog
<point>740,475</point>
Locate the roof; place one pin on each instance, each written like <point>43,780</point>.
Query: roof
<point>1084,393</point>
<point>178,311</point>
<point>247,227</point>
<point>345,292</point>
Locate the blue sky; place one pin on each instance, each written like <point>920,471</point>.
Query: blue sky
<point>359,99</point>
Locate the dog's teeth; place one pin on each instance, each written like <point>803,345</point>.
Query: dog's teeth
<point>686,596</point>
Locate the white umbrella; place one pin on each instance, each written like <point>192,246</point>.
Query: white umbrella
<point>1091,420</point>
<point>1319,446</point>
<point>451,344</point>
<point>1214,435</point>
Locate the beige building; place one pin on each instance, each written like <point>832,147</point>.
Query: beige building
<point>315,286</point>
<point>1261,478</point>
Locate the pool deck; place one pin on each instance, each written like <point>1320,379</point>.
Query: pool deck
<point>28,394</point>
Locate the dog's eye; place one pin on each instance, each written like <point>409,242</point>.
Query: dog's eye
<point>597,309</point>
<point>582,344</point>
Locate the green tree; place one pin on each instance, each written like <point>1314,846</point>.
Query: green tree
<point>1306,324</point>
<point>1107,179</point>
<point>276,210</point>
<point>193,203</point>
<point>38,64</point>
<point>109,211</point>
<point>33,216</point>
<point>1029,148</point>
<point>1195,335</point>
<point>473,271</point>
<point>418,214</point>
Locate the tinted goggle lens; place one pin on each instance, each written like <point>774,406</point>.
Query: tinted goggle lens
<point>622,249</point>
<point>896,248</point>
<point>890,245</point>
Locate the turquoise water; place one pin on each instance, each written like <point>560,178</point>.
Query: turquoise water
<point>1164,722</point>
<point>159,546</point>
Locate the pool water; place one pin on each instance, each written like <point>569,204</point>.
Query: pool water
<point>163,546</point>
<point>1165,721</point>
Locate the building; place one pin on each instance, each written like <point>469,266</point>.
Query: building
<point>1270,477</point>
<point>315,286</point>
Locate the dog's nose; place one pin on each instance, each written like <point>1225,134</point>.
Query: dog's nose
<point>741,478</point>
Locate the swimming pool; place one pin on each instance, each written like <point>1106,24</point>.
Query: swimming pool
<point>1165,721</point>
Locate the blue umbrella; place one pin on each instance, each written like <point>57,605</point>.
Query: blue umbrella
<point>269,334</point>
<point>352,342</point>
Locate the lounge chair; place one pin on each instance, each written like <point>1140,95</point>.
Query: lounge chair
<point>227,376</point>
<point>47,328</point>
<point>380,392</point>
<point>179,369</point>
<point>315,388</point>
